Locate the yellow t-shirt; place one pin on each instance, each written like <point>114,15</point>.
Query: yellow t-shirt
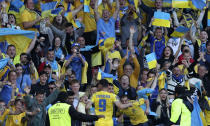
<point>28,16</point>
<point>3,117</point>
<point>15,120</point>
<point>89,21</point>
<point>135,112</point>
<point>104,102</point>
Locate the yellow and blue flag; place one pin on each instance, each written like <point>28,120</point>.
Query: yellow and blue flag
<point>195,115</point>
<point>48,6</point>
<point>180,31</point>
<point>4,68</point>
<point>198,4</point>
<point>51,13</point>
<point>107,76</point>
<point>208,17</point>
<point>151,3</point>
<point>181,3</point>
<point>161,19</point>
<point>151,60</point>
<point>21,39</point>
<point>86,6</point>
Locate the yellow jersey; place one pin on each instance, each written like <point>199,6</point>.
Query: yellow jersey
<point>104,102</point>
<point>28,16</point>
<point>15,120</point>
<point>135,112</point>
<point>3,116</point>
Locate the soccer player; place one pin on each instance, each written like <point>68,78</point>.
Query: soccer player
<point>135,113</point>
<point>104,101</point>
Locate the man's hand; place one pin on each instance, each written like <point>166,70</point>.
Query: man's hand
<point>27,89</point>
<point>132,30</point>
<point>101,116</point>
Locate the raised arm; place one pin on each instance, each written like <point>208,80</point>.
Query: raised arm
<point>31,46</point>
<point>122,106</point>
<point>179,48</point>
<point>192,37</point>
<point>116,10</point>
<point>96,13</point>
<point>75,11</point>
<point>132,31</point>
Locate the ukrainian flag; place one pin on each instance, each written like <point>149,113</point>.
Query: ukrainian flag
<point>180,31</point>
<point>161,19</point>
<point>48,6</point>
<point>208,17</point>
<point>199,4</point>
<point>181,3</point>
<point>86,6</point>
<point>195,115</point>
<point>51,13</point>
<point>107,76</point>
<point>151,60</point>
<point>21,39</point>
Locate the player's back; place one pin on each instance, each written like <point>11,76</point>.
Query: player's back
<point>103,102</point>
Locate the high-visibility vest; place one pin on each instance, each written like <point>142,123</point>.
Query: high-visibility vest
<point>59,115</point>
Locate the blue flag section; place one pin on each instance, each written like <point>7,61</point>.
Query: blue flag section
<point>199,4</point>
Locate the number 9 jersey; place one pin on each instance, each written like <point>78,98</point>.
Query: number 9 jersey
<point>104,102</point>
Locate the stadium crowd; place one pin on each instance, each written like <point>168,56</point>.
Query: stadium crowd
<point>104,63</point>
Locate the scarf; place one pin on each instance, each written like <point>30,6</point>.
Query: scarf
<point>53,64</point>
<point>179,78</point>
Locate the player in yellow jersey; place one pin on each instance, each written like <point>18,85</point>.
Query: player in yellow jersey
<point>135,113</point>
<point>104,101</point>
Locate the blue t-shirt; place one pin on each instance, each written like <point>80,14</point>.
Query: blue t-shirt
<point>105,29</point>
<point>25,82</point>
<point>76,65</point>
<point>6,93</point>
<point>157,46</point>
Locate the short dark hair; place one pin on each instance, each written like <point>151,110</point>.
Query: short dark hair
<point>68,25</point>
<point>74,81</point>
<point>128,63</point>
<point>42,72</point>
<point>104,83</point>
<point>123,96</point>
<point>110,84</point>
<point>18,65</point>
<point>40,92</point>
<point>62,96</point>
<point>9,46</point>
<point>70,93</point>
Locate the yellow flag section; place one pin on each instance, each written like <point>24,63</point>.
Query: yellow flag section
<point>21,39</point>
<point>181,3</point>
<point>151,60</point>
<point>96,59</point>
<point>151,3</point>
<point>161,19</point>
